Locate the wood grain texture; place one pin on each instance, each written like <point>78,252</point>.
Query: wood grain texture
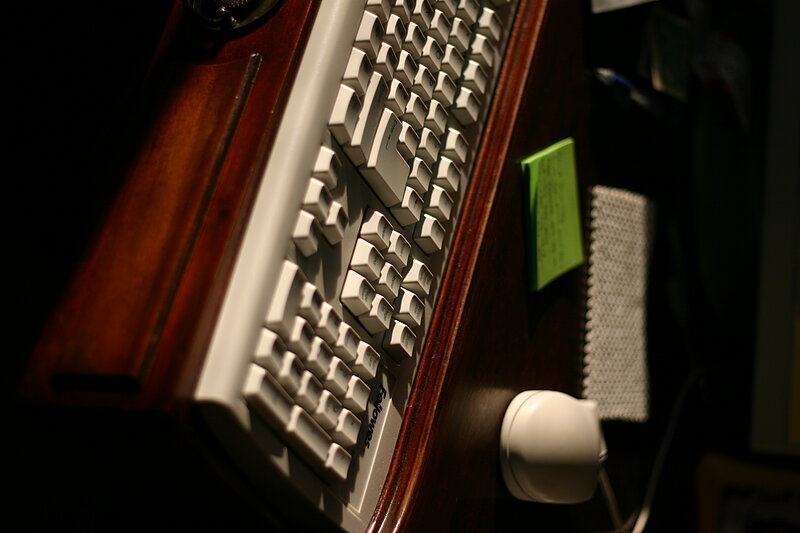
<point>137,315</point>
<point>490,337</point>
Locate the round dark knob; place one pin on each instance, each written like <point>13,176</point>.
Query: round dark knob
<point>225,15</point>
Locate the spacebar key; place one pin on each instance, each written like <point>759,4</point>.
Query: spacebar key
<point>386,171</point>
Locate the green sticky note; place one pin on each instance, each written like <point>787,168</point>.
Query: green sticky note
<point>555,224</point>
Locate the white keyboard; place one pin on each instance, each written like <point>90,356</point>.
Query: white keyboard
<point>313,356</point>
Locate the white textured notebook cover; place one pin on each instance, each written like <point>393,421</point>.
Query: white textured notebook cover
<point>615,361</point>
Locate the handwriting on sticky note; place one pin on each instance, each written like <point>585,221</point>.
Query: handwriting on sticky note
<point>555,224</point>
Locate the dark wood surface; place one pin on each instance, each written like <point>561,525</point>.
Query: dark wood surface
<point>492,338</point>
<point>136,316</point>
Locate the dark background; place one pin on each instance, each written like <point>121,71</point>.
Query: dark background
<point>702,163</point>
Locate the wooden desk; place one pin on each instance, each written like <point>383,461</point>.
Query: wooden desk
<point>491,337</point>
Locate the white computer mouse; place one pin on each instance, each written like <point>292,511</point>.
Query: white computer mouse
<point>551,447</point>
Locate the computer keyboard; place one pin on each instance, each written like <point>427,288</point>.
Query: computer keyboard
<point>314,353</point>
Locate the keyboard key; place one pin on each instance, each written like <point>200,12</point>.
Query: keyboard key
<point>410,308</point>
<point>432,54</point>
<point>445,89</point>
<point>317,200</point>
<point>448,175</point>
<point>311,302</point>
<point>338,462</point>
<point>460,35</point>
<point>310,440</point>
<point>269,351</point>
<point>386,170</point>
<point>467,107</point>
<point>300,337</point>
<point>455,146</point>
<point>420,176</point>
<point>475,78</point>
<point>414,41</point>
<point>406,69</point>
<point>267,397</point>
<point>357,396</point>
<point>285,298</point>
<point>418,278</point>
<point>395,33</point>
<point>399,250</point>
<point>389,282</point>
<point>409,210</point>
<point>346,346</point>
<point>381,8</point>
<point>422,14</point>
<point>402,8</point>
<point>357,72</point>
<point>489,25</point>
<point>367,260</point>
<point>439,204</point>
<point>436,119</point>
<point>338,377</point>
<point>399,341</point>
<point>468,10</point>
<point>309,393</point>
<point>416,110</point>
<point>329,322</point>
<point>344,115</point>
<point>327,411</point>
<point>357,293</point>
<point>319,357</point>
<point>428,148</point>
<point>440,27</point>
<point>290,373</point>
<point>378,317</point>
<point>408,142</point>
<point>360,145</point>
<point>369,35</point>
<point>326,167</point>
<point>335,225</point>
<point>429,234</point>
<point>386,62</point>
<point>366,364</point>
<point>452,62</point>
<point>306,234</point>
<point>424,82</point>
<point>482,51</point>
<point>376,229</point>
<point>448,7</point>
<point>397,100</point>
<point>345,432</point>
